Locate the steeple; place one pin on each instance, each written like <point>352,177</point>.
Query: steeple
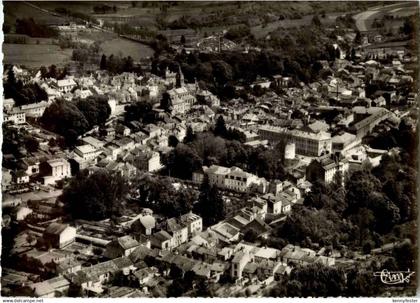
<point>179,78</point>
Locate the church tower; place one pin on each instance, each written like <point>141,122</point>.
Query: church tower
<point>180,78</point>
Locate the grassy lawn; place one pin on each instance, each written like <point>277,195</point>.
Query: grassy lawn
<point>34,56</point>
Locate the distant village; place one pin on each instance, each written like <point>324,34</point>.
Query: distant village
<point>144,251</point>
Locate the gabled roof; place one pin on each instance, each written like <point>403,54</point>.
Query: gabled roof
<point>147,221</point>
<point>55,228</point>
<point>127,242</point>
<point>162,236</point>
<point>122,262</point>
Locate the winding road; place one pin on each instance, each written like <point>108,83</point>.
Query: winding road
<point>364,19</point>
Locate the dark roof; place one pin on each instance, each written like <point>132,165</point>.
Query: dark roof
<point>122,262</point>
<point>55,228</point>
<point>127,242</point>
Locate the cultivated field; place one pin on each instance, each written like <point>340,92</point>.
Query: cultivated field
<point>126,48</point>
<point>18,10</point>
<point>34,56</point>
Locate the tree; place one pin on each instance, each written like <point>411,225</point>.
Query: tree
<point>52,71</point>
<point>408,27</point>
<point>220,128</point>
<point>66,119</point>
<point>44,72</point>
<point>210,206</point>
<point>173,141</point>
<point>103,63</point>
<point>319,280</point>
<point>358,38</point>
<point>166,102</point>
<point>367,247</point>
<point>319,196</point>
<point>31,144</point>
<point>190,136</point>
<point>183,161</point>
<point>176,289</point>
<point>96,196</point>
<point>316,21</point>
<point>294,288</point>
<point>183,40</point>
<point>128,65</point>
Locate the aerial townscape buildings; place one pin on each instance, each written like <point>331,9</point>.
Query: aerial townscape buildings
<point>260,160</point>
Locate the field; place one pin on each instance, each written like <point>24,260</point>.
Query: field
<point>365,19</point>
<point>34,56</point>
<point>126,48</point>
<point>19,10</point>
<point>110,44</point>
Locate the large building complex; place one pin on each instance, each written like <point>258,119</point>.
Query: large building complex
<point>306,143</point>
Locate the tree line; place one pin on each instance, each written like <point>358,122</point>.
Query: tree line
<point>210,148</point>
<point>72,119</point>
<point>21,93</point>
<point>27,26</point>
<point>118,65</point>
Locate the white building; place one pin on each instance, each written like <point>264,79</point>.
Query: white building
<point>34,110</point>
<point>16,116</point>
<point>306,143</point>
<point>193,222</point>
<point>59,235</point>
<point>54,170</point>
<point>232,178</point>
<point>182,100</point>
<point>87,152</point>
<point>66,85</point>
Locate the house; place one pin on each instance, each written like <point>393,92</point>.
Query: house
<point>232,178</point>
<point>124,169</point>
<point>124,264</point>
<point>144,224</point>
<point>70,265</point>
<point>59,235</point>
<point>32,165</point>
<point>54,170</point>
<point>324,169</point>
<point>203,270</point>
<point>258,226</point>
<point>147,160</point>
<point>178,230</point>
<point>343,142</point>
<point>274,205</point>
<point>8,104</point>
<point>55,287</point>
<point>226,232</point>
<point>239,261</point>
<point>193,222</point>
<point>87,152</point>
<point>65,85</point>
<point>15,115</point>
<point>379,102</point>
<point>6,180</point>
<point>121,246</point>
<point>34,110</point>
<point>22,213</point>
<point>145,275</point>
<point>97,144</point>
<point>161,240</point>
<point>20,177</point>
<point>90,279</point>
